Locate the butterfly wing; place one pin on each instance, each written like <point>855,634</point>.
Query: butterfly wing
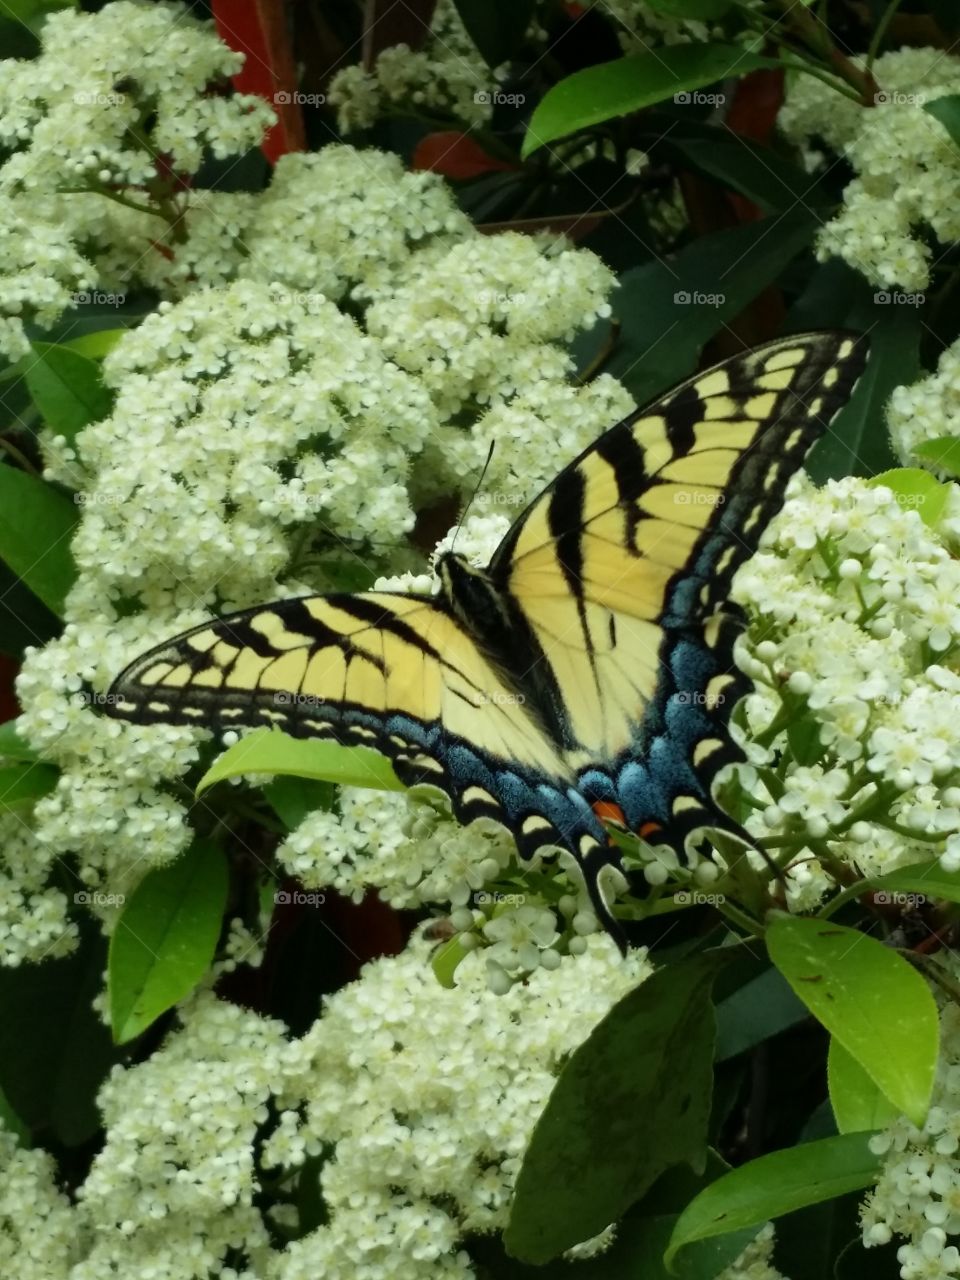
<point>617,574</point>
<point>394,672</point>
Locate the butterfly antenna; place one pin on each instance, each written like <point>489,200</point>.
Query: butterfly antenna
<point>473,496</point>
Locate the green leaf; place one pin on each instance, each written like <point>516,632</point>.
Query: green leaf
<point>943,453</point>
<point>857,442</point>
<point>633,1100</point>
<point>67,388</point>
<point>496,27</point>
<point>54,1049</point>
<point>669,309</point>
<point>166,938</point>
<point>760,1009</point>
<point>754,171</point>
<point>803,735</point>
<point>947,111</point>
<point>776,1184</point>
<point>95,345</point>
<point>858,1105</point>
<point>271,751</point>
<point>917,490</point>
<point>36,524</point>
<point>12,746</point>
<point>612,89</point>
<point>22,785</point>
<point>923,880</point>
<point>24,620</point>
<point>867,996</point>
<point>701,10</point>
<point>12,1123</point>
<point>292,798</point>
<point>445,961</point>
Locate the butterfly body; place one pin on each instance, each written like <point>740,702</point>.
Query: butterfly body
<point>586,674</point>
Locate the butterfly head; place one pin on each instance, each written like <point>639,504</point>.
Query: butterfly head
<point>469,591</point>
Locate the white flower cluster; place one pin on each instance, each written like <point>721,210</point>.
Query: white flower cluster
<point>918,1193</point>
<point>39,1237</point>
<point>907,168</point>
<point>254,413</point>
<point>447,77</point>
<point>408,1081</point>
<point>754,1263</point>
<point>115,100</point>
<point>856,622</point>
<point>422,1099</point>
<point>928,409</point>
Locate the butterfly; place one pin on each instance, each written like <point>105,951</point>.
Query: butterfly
<point>585,677</point>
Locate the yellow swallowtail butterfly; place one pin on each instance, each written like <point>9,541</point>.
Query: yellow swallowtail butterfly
<point>586,673</point>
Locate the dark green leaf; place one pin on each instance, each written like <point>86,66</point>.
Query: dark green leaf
<point>270,751</point>
<point>496,27</point>
<point>36,524</point>
<point>702,10</point>
<point>293,798</point>
<point>760,1009</point>
<point>24,620</point>
<point>947,111</point>
<point>165,939</point>
<point>803,735</point>
<point>54,1049</point>
<point>870,998</point>
<point>943,453</point>
<point>12,1122</point>
<point>669,309</point>
<point>66,387</point>
<point>857,442</point>
<point>22,785</point>
<point>757,172</point>
<point>619,88</point>
<point>445,961</point>
<point>776,1184</point>
<point>653,1054</point>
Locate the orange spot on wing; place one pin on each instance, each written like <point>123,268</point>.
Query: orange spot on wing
<point>649,829</point>
<point>607,811</point>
